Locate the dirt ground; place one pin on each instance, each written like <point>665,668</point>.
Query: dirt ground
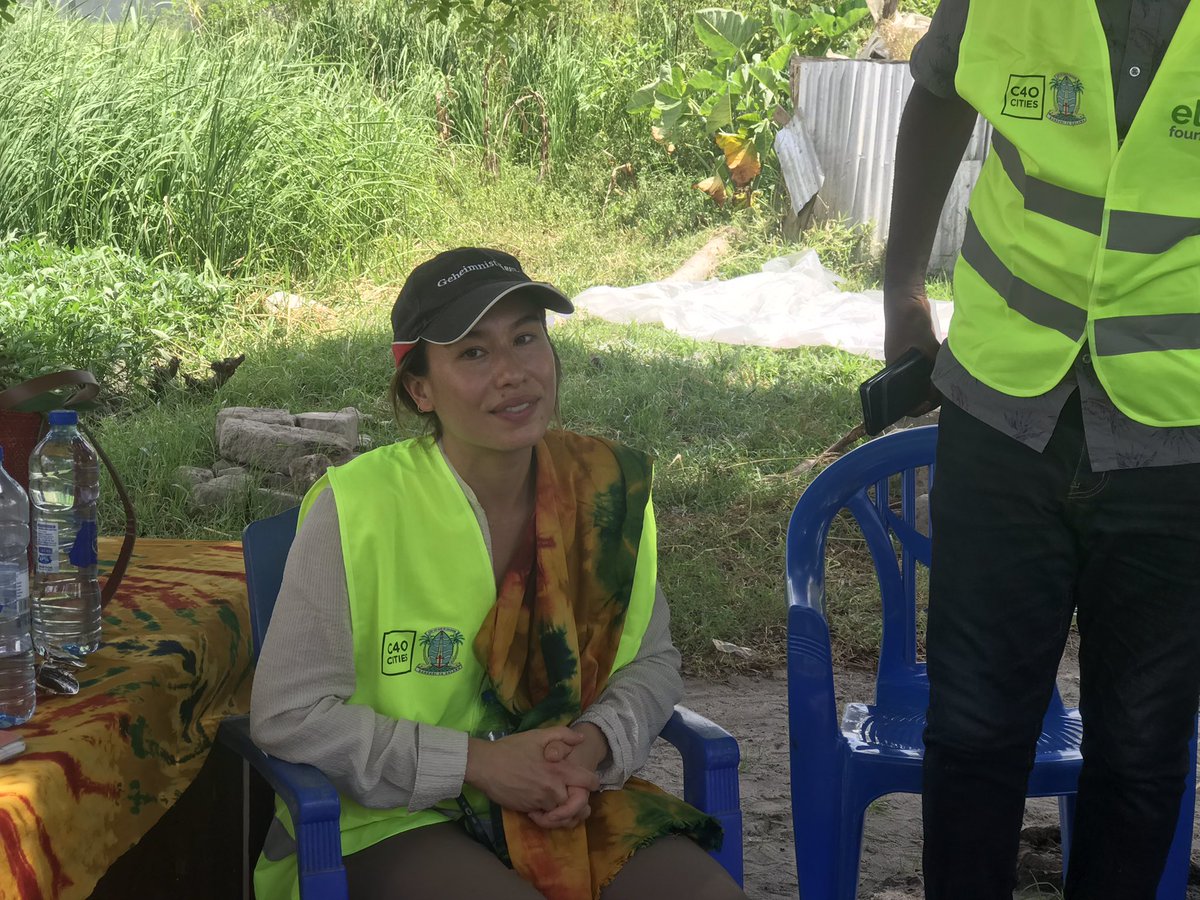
<point>754,710</point>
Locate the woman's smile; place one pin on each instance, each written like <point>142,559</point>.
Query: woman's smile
<point>519,409</point>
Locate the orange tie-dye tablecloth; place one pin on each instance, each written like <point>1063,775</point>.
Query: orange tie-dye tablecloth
<point>102,767</point>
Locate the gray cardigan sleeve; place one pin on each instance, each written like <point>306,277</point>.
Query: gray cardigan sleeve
<point>305,674</point>
<point>638,700</point>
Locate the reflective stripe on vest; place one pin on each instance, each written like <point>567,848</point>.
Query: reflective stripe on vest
<point>1035,305</point>
<point>1135,232</point>
<point>1141,334</point>
<point>1072,237</point>
<point>1128,230</point>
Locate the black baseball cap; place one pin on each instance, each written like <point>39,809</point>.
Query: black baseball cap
<point>445,296</point>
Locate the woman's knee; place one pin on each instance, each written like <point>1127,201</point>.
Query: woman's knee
<point>431,861</point>
<point>673,866</point>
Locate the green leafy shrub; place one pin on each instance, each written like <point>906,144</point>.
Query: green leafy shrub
<point>487,21</point>
<point>733,96</point>
<point>924,7</point>
<point>99,309</point>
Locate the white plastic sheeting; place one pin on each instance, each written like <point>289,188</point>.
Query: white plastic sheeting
<point>793,302</point>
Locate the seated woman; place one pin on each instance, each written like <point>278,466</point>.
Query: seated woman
<point>469,641</point>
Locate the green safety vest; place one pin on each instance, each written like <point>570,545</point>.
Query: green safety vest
<point>420,583</point>
<point>1074,236</point>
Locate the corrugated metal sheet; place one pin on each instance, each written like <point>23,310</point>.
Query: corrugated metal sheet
<point>851,109</point>
<point>802,172</point>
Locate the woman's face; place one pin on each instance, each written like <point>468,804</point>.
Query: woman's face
<point>495,388</point>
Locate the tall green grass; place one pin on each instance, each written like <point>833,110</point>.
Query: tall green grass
<point>306,140</point>
<point>238,153</point>
<point>583,64</point>
<point>258,146</point>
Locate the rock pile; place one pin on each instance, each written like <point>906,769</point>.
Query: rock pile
<point>273,453</point>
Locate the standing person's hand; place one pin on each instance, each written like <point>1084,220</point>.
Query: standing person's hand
<point>908,323</point>
<point>516,773</point>
<point>589,752</point>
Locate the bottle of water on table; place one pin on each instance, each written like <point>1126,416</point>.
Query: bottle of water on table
<point>64,484</point>
<point>17,694</point>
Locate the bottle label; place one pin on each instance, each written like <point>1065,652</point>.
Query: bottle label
<point>47,547</point>
<point>14,588</point>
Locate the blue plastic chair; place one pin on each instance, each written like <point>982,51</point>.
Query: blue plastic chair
<point>839,768</point>
<point>710,753</point>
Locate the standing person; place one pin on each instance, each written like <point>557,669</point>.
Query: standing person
<point>1068,478</point>
<point>469,640</point>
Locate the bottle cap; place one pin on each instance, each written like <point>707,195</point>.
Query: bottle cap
<point>64,417</point>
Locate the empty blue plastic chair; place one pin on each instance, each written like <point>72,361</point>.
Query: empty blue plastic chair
<point>839,767</point>
<point>710,754</point>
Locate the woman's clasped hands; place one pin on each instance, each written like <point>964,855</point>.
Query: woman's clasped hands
<point>548,773</point>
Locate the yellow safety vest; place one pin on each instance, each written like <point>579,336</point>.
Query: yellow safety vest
<point>420,583</point>
<point>1074,236</point>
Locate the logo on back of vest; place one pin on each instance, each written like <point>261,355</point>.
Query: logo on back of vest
<point>1025,97</point>
<point>397,653</point>
<point>1068,97</point>
<point>440,647</point>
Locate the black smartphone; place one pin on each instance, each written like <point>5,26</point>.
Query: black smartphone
<point>898,389</point>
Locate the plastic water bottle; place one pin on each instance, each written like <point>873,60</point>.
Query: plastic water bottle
<point>64,484</point>
<point>17,692</point>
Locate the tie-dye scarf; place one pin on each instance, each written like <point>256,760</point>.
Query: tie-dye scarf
<point>549,649</point>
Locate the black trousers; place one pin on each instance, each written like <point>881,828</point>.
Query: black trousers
<point>1022,541</point>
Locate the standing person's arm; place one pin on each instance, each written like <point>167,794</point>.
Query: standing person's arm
<point>934,132</point>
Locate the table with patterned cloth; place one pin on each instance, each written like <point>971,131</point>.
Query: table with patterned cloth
<point>103,766</point>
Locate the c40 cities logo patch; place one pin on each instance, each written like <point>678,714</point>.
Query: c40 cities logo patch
<point>397,653</point>
<point>1025,97</point>
<point>440,647</point>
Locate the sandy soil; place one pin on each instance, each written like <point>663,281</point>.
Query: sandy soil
<point>754,709</point>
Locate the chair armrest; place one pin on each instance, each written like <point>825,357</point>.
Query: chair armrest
<point>710,778</point>
<point>812,702</point>
<point>310,798</point>
<point>702,743</point>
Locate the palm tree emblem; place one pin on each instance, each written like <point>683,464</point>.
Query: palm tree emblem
<point>1068,91</point>
<point>440,646</point>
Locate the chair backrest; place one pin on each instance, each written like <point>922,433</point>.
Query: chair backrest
<point>265,546</point>
<point>861,482</point>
